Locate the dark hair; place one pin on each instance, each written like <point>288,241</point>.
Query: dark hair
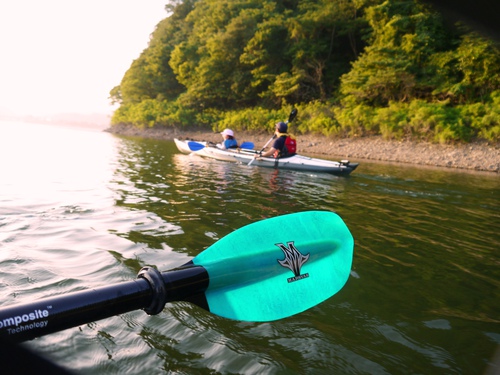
<point>282,127</point>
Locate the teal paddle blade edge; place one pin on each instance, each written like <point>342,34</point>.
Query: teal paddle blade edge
<point>278,267</point>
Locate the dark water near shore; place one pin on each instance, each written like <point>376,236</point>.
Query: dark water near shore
<point>81,208</point>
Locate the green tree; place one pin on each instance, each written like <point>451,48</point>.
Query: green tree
<point>208,63</point>
<point>354,67</point>
<point>468,73</point>
<point>266,54</point>
<point>394,67</point>
<point>150,76</point>
<point>334,26</point>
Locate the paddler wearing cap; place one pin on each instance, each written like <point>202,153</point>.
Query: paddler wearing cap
<point>279,149</point>
<point>229,140</point>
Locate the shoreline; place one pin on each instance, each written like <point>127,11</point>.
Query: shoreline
<point>478,156</point>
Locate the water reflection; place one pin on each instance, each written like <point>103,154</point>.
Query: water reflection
<point>423,296</point>
<point>425,272</point>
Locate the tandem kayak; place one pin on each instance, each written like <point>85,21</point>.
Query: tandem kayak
<point>245,156</point>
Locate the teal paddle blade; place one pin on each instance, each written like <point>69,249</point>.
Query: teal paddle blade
<point>278,267</point>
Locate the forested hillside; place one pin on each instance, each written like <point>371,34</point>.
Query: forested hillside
<point>351,67</point>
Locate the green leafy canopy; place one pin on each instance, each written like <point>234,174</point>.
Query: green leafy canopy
<point>354,67</point>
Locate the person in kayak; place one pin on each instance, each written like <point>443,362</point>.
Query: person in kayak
<point>229,140</point>
<point>283,146</point>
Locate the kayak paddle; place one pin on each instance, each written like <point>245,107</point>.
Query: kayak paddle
<point>291,117</point>
<point>197,146</point>
<point>247,145</point>
<point>267,270</point>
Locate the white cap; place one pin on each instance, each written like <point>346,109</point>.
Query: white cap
<point>228,132</point>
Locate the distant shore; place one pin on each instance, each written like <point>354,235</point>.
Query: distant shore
<point>479,156</point>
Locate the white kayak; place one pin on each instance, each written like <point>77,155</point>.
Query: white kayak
<point>246,155</point>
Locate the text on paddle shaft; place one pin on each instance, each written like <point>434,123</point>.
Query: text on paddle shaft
<point>24,322</point>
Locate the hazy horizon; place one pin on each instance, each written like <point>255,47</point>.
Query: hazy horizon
<point>63,58</point>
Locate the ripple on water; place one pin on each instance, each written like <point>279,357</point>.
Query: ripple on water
<point>425,274</point>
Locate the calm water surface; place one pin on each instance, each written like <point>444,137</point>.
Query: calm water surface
<point>82,208</point>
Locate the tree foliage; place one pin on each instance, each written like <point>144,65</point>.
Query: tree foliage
<point>353,67</point>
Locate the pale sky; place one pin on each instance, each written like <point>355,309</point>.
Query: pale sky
<point>64,56</point>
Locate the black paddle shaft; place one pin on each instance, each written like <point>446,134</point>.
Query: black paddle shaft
<point>150,291</point>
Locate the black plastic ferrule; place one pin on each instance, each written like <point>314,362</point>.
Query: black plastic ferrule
<point>155,280</point>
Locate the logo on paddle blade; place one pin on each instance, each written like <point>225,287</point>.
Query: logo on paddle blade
<point>294,260</point>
